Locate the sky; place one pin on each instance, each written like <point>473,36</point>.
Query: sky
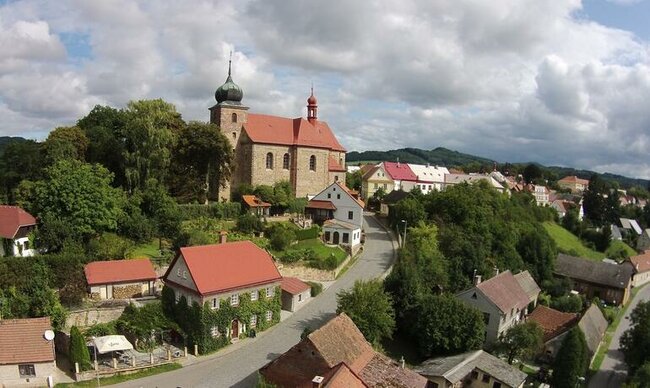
<point>558,82</point>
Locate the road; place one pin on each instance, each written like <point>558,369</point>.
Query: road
<point>239,368</point>
<point>613,371</point>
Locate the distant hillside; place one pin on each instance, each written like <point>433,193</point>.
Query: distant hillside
<point>4,140</point>
<point>448,158</point>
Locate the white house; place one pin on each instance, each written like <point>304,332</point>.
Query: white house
<point>454,179</point>
<point>15,227</point>
<point>429,178</point>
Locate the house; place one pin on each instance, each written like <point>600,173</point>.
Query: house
<point>629,225</point>
<point>120,279</point>
<point>593,325</point>
<point>229,275</point>
<point>342,233</point>
<point>541,194</point>
<point>337,355</point>
<point>553,323</point>
<point>616,233</point>
<point>454,179</point>
<point>573,183</point>
<point>256,206</point>
<point>503,300</point>
<point>643,242</point>
<point>15,227</point>
<point>270,149</point>
<point>596,279</point>
<point>475,368</point>
<point>428,178</point>
<point>641,265</point>
<point>401,174</point>
<point>295,293</point>
<point>391,199</point>
<point>27,357</point>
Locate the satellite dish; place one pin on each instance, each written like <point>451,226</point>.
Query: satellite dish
<point>49,335</point>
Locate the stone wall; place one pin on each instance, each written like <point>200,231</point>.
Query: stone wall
<point>263,176</point>
<point>307,181</point>
<point>89,317</point>
<point>127,291</point>
<point>307,273</point>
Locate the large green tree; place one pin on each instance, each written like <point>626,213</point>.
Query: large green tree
<point>65,143</point>
<point>20,160</point>
<point>370,308</point>
<point>572,360</point>
<point>635,341</point>
<point>521,341</point>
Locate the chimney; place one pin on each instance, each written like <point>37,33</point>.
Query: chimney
<point>477,280</point>
<point>397,162</point>
<point>317,381</point>
<point>496,270</point>
<point>402,362</point>
<point>223,237</point>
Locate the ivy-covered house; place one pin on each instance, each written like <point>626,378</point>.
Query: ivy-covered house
<point>222,292</point>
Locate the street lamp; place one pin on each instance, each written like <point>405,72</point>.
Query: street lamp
<point>404,238</point>
<point>96,362</point>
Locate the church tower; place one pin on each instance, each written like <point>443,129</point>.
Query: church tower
<point>230,116</point>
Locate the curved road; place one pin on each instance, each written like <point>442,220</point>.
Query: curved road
<point>239,367</point>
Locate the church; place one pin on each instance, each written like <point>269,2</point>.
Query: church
<point>270,149</point>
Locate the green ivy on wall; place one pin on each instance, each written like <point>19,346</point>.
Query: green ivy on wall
<point>197,321</point>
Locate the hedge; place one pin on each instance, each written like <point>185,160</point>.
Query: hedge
<point>227,210</point>
<point>316,288</point>
<point>306,234</point>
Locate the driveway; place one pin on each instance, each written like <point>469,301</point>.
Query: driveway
<point>239,368</point>
<point>613,370</point>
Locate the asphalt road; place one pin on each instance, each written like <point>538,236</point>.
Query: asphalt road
<point>239,368</point>
<point>613,370</point>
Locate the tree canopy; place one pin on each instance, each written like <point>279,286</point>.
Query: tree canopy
<point>635,341</point>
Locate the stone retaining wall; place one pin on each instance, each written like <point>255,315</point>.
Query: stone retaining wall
<point>307,273</point>
<point>89,317</point>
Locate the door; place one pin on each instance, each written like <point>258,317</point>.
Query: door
<point>234,333</point>
<point>336,237</point>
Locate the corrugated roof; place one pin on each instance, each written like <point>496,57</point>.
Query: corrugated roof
<point>598,272</point>
<point>553,322</point>
<point>119,271</point>
<point>505,292</point>
<point>285,131</point>
<point>23,341</point>
<point>294,285</point>
<point>13,218</point>
<point>229,266</point>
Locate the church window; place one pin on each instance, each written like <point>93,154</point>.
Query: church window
<point>285,162</point>
<point>234,117</point>
<point>234,135</point>
<point>269,161</point>
<point>312,163</point>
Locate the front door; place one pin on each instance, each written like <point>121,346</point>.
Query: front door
<point>234,333</point>
<point>336,237</point>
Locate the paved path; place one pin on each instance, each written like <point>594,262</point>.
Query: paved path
<point>238,368</point>
<point>613,370</point>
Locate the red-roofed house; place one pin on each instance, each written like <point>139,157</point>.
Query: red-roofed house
<point>229,274</point>
<point>15,227</point>
<point>573,183</point>
<point>553,323</point>
<point>641,264</point>
<point>399,173</point>
<point>256,205</point>
<point>270,149</point>
<point>295,293</point>
<point>120,279</point>
<point>26,353</point>
<point>503,300</point>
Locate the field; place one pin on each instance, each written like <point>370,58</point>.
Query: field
<point>569,243</point>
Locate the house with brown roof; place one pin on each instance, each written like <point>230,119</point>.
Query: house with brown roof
<point>120,279</point>
<point>255,205</point>
<point>295,293</point>
<point>553,323</point>
<point>15,227</point>
<point>270,149</point>
<point>503,300</point>
<point>641,265</point>
<point>373,179</point>
<point>337,355</point>
<point>596,279</point>
<point>573,183</point>
<point>26,352</point>
<point>219,279</point>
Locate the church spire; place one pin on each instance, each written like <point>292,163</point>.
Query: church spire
<point>229,93</point>
<point>312,107</point>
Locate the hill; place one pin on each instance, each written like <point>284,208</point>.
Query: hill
<point>569,243</point>
<point>5,140</point>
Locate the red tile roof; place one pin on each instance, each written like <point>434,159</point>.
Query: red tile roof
<point>319,204</point>
<point>400,171</point>
<point>253,201</point>
<point>351,194</point>
<point>23,341</point>
<point>294,286</point>
<point>341,376</point>
<point>224,267</point>
<point>553,322</point>
<point>333,165</point>
<point>505,292</point>
<point>574,179</point>
<point>285,131</point>
<point>12,218</point>
<point>119,271</point>
<point>641,262</point>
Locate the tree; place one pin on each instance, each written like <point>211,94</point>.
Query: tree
<point>594,200</point>
<point>641,378</point>
<point>410,210</point>
<point>65,143</point>
<point>531,173</point>
<point>572,360</point>
<point>78,349</point>
<point>635,341</point>
<point>20,160</point>
<point>521,341</point>
<point>353,180</point>
<point>370,308</point>
<point>538,250</point>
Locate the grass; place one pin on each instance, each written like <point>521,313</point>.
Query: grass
<point>568,242</point>
<point>125,377</point>
<point>147,250</point>
<point>322,251</point>
<point>618,245</point>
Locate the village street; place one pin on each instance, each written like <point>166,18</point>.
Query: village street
<point>239,368</point>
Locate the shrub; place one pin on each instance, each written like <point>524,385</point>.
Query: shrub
<point>316,288</point>
<point>291,257</point>
<point>568,304</point>
<point>109,246</point>
<point>249,223</point>
<point>101,329</point>
<point>306,234</point>
<point>281,236</point>
<point>78,349</point>
<point>224,210</point>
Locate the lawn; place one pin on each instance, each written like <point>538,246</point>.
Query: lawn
<point>146,250</point>
<point>125,377</point>
<point>322,250</point>
<point>323,257</point>
<point>618,245</point>
<point>569,243</point>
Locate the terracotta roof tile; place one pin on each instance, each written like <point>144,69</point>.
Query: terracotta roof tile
<point>381,371</point>
<point>294,286</point>
<point>320,204</point>
<point>505,292</point>
<point>400,171</point>
<point>23,341</point>
<point>12,218</point>
<point>119,271</point>
<point>574,179</point>
<point>333,165</point>
<point>341,376</point>
<point>223,267</point>
<point>281,130</point>
<point>253,201</point>
<point>553,322</point>
<point>641,262</point>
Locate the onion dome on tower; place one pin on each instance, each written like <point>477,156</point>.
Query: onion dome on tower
<point>229,92</point>
<point>312,107</point>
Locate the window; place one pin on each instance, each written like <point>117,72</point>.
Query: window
<point>189,300</point>
<point>474,375</point>
<point>269,161</point>
<point>350,215</point>
<point>336,178</point>
<point>327,236</point>
<point>215,303</point>
<point>253,320</point>
<point>178,272</point>
<point>26,370</point>
<point>496,384</point>
<point>312,163</point>
<point>184,274</point>
<point>346,238</point>
<point>234,135</point>
<point>26,244</point>
<point>486,378</point>
<point>329,195</point>
<point>234,117</point>
<point>374,185</point>
<point>285,161</point>
<point>177,296</point>
<point>215,331</point>
<point>299,297</point>
<point>270,291</point>
<point>474,295</point>
<point>338,196</point>
<point>385,187</point>
<point>234,299</point>
<point>269,315</point>
<point>254,295</point>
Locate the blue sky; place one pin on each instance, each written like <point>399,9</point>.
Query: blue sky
<point>560,82</point>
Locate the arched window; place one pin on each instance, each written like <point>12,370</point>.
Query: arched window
<point>234,117</point>
<point>234,135</point>
<point>312,163</point>
<point>269,161</point>
<point>285,162</point>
